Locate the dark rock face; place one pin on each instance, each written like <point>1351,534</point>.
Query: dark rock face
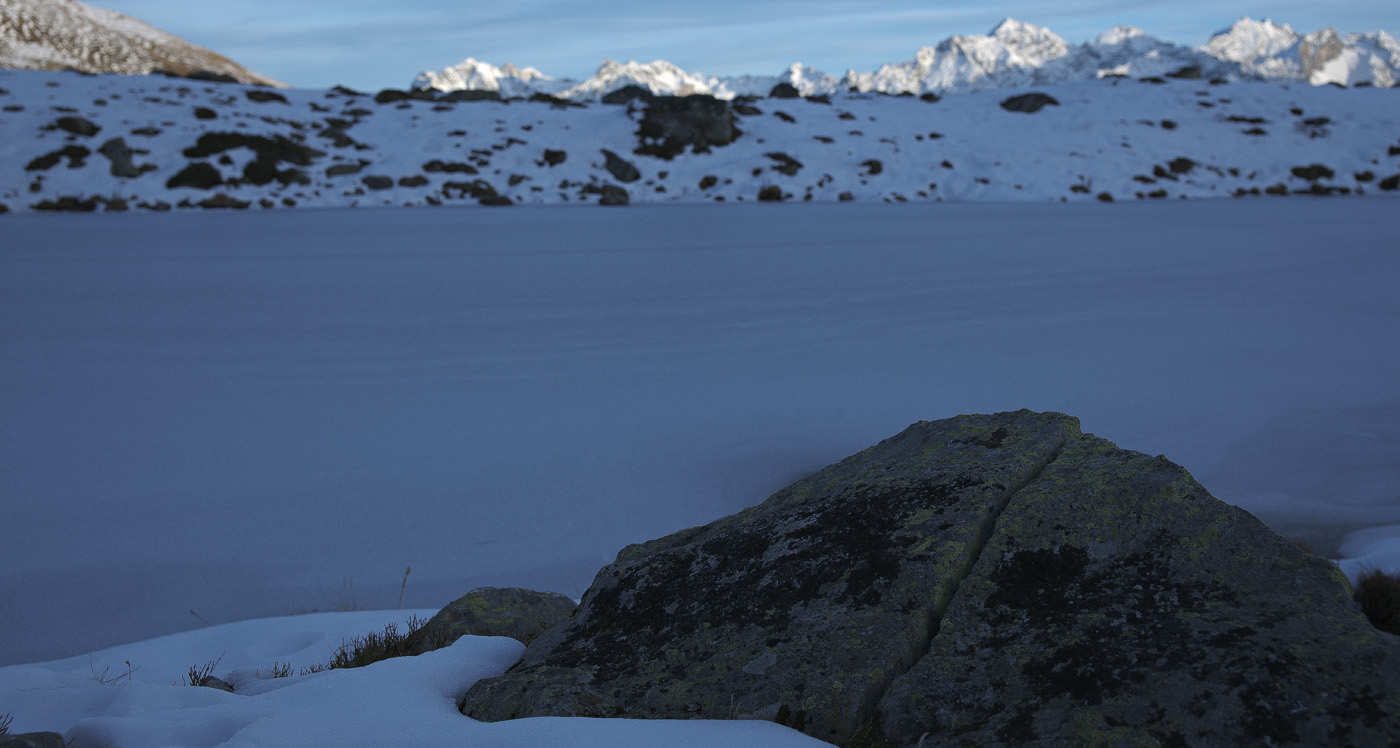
<point>1029,103</point>
<point>494,611</point>
<point>77,126</point>
<point>627,94</point>
<point>263,96</point>
<point>199,175</point>
<point>554,158</point>
<point>76,155</point>
<point>470,95</point>
<point>1313,172</point>
<point>670,124</point>
<point>621,169</point>
<point>784,91</point>
<point>119,153</point>
<point>784,164</point>
<point>984,580</point>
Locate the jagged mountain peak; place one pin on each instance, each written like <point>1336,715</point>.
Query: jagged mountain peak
<point>1248,40</point>
<point>1016,53</point>
<point>66,34</point>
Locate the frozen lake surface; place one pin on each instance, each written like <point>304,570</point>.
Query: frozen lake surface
<point>212,417</point>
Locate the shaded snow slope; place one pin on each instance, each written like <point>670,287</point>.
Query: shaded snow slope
<point>1013,54</point>
<point>160,144</point>
<point>66,34</point>
<point>242,414</point>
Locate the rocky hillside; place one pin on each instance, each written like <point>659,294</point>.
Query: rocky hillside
<point>69,35</point>
<point>77,142</point>
<point>1013,54</point>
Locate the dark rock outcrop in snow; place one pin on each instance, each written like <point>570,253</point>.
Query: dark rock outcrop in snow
<point>1029,103</point>
<point>622,169</point>
<point>981,580</point>
<point>670,124</point>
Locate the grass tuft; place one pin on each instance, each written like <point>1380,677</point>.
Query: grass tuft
<point>197,674</point>
<point>372,647</point>
<point>1379,596</point>
<point>5,723</point>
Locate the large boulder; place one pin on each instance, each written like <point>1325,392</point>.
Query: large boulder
<point>981,580</point>
<point>493,611</point>
<point>670,124</point>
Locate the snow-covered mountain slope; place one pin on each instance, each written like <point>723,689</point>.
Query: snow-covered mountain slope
<point>118,142</point>
<point>1013,54</point>
<point>65,34</point>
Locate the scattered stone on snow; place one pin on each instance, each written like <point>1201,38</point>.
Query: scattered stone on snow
<point>119,153</point>
<point>784,90</point>
<point>417,180</point>
<point>785,164</point>
<point>204,112</point>
<point>1390,183</point>
<point>553,157</point>
<point>263,96</point>
<point>448,167</point>
<point>76,126</point>
<point>470,95</point>
<point>872,167</point>
<point>220,200</point>
<point>200,175</point>
<point>75,154</point>
<point>1313,172</point>
<point>377,182</point>
<point>621,169</point>
<point>771,194</point>
<point>1029,103</point>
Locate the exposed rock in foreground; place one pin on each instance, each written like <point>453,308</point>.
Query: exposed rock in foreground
<point>982,580</point>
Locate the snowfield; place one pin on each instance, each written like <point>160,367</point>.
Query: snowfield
<point>155,144</point>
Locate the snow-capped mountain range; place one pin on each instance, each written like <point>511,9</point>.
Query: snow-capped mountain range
<point>1015,53</point>
<point>65,34</point>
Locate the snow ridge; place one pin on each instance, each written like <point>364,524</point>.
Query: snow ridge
<point>1012,54</point>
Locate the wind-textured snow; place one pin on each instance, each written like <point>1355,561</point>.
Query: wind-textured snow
<point>1012,54</point>
<point>217,416</point>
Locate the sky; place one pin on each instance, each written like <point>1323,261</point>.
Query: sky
<point>371,45</point>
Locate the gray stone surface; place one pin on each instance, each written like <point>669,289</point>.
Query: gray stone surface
<point>1118,603</point>
<point>494,611</point>
<point>981,580</point>
<point>802,609</point>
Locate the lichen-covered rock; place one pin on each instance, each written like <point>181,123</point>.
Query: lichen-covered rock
<point>802,609</point>
<point>518,613</point>
<point>982,580</point>
<point>1118,603</point>
<point>670,124</point>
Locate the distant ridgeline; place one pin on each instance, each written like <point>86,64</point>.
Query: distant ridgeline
<point>1014,54</point>
<point>85,143</point>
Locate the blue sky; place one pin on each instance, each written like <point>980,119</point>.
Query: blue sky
<point>367,44</point>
